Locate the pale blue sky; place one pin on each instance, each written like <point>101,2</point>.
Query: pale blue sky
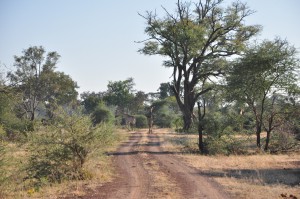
<point>95,38</point>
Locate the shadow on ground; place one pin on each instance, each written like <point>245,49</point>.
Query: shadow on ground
<point>284,176</point>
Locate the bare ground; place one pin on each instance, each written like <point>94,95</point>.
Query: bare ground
<point>147,170</point>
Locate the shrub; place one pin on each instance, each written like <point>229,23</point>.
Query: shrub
<point>177,123</point>
<point>221,135</point>
<point>59,151</point>
<point>141,121</point>
<point>225,144</point>
<point>282,142</point>
<point>102,114</point>
<point>164,117</point>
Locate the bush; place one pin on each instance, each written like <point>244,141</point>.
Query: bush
<point>141,121</point>
<point>102,114</point>
<point>178,124</point>
<point>59,151</point>
<point>224,145</point>
<point>220,135</point>
<point>282,142</point>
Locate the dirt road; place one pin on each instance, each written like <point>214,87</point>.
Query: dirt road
<point>146,170</point>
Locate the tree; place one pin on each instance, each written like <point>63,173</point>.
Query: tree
<point>137,104</point>
<point>263,72</point>
<point>90,101</point>
<point>196,41</point>
<point>120,93</point>
<point>165,91</point>
<point>36,79</point>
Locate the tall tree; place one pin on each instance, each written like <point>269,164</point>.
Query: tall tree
<point>165,91</point>
<point>90,100</point>
<point>263,72</point>
<point>38,81</point>
<point>196,39</point>
<point>120,93</point>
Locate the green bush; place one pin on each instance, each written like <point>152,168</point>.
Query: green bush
<point>164,117</point>
<point>102,114</point>
<point>224,145</point>
<point>141,121</point>
<point>177,123</point>
<point>59,151</point>
<point>282,142</point>
<point>220,131</point>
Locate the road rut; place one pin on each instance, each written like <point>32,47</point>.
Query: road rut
<point>146,170</point>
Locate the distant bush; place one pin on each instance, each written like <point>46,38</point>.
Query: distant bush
<point>177,123</point>
<point>282,142</point>
<point>220,132</point>
<point>59,151</point>
<point>224,145</point>
<point>141,121</point>
<point>101,114</point>
<point>3,166</point>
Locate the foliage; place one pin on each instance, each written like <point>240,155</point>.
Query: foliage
<point>90,101</point>
<point>102,114</point>
<point>59,151</point>
<point>226,144</point>
<point>197,40</point>
<point>220,130</point>
<point>141,121</point>
<point>120,93</point>
<point>37,81</point>
<point>165,112</point>
<point>178,124</point>
<point>165,91</point>
<point>13,126</point>
<point>282,142</point>
<point>2,161</point>
<point>137,104</point>
<point>259,76</point>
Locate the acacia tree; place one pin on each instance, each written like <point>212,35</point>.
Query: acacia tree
<point>38,82</point>
<point>196,39</point>
<point>263,72</point>
<point>120,93</point>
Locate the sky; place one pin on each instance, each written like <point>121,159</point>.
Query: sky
<point>96,38</point>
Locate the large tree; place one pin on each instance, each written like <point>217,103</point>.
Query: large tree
<point>196,39</point>
<point>120,93</point>
<point>38,82</point>
<point>264,72</point>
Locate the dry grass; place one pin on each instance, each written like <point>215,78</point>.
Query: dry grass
<point>243,176</point>
<point>98,168</point>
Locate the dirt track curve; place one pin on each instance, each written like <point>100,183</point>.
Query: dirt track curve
<point>145,171</point>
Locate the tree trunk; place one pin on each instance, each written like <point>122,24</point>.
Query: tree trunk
<point>267,140</point>
<point>258,132</point>
<point>187,119</point>
<point>186,104</point>
<point>32,116</point>
<point>201,126</point>
<point>200,131</point>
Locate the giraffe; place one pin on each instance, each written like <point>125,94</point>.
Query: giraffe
<point>150,119</point>
<point>129,120</point>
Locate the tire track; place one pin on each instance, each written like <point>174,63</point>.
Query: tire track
<point>146,171</point>
<point>133,179</point>
<point>191,183</point>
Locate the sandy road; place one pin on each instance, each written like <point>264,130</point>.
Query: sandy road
<point>146,170</point>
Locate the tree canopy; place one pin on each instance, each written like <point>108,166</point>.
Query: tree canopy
<point>260,76</point>
<point>195,40</point>
<point>38,82</point>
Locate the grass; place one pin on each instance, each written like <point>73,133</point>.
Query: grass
<point>98,171</point>
<point>255,175</point>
